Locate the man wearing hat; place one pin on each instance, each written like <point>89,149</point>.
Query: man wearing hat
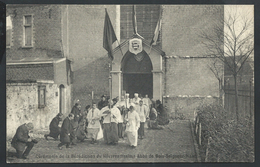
<point>136,99</point>
<point>22,140</point>
<point>66,129</point>
<point>54,127</point>
<point>121,105</point>
<point>103,103</point>
<point>127,99</point>
<point>143,114</point>
<point>111,116</point>
<point>93,118</point>
<point>75,122</point>
<point>76,111</point>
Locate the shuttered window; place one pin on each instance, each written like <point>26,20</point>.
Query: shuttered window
<point>9,27</point>
<point>41,96</point>
<point>146,16</point>
<point>28,30</point>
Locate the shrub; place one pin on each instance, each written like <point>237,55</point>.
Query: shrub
<point>231,141</point>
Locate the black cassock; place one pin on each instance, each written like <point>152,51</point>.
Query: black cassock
<point>66,129</point>
<point>102,104</point>
<point>162,115</point>
<point>54,128</point>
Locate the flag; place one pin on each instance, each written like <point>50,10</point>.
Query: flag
<point>109,36</point>
<point>134,20</point>
<point>156,32</point>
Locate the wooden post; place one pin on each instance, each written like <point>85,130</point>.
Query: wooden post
<point>218,159</point>
<point>200,134</point>
<point>250,103</point>
<point>228,97</point>
<point>196,125</point>
<point>110,82</point>
<point>194,115</point>
<point>92,97</point>
<point>207,150</point>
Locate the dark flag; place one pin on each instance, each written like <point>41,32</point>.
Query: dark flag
<point>109,36</point>
<point>156,32</point>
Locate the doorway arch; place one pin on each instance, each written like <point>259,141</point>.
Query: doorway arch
<point>137,74</point>
<point>155,55</point>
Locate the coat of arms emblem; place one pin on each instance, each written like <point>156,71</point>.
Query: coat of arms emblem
<point>135,46</point>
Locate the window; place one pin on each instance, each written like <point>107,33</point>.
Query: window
<point>41,96</point>
<point>8,31</point>
<point>147,17</point>
<point>27,41</point>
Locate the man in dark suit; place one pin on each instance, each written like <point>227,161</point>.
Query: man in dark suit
<point>54,127</point>
<point>66,129</point>
<point>22,140</point>
<point>76,111</point>
<point>103,103</point>
<point>75,123</point>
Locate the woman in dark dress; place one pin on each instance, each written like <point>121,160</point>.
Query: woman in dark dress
<point>153,121</point>
<point>162,114</point>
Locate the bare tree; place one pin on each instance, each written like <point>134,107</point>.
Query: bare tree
<point>217,69</point>
<point>231,41</point>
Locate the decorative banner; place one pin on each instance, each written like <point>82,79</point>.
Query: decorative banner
<point>135,46</point>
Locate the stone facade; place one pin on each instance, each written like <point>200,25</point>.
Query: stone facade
<point>184,70</point>
<point>85,41</point>
<point>46,26</point>
<point>77,32</point>
<point>43,63</point>
<point>22,105</point>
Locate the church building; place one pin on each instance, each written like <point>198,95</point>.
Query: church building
<point>68,39</point>
<point>175,70</point>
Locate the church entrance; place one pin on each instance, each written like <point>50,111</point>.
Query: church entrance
<point>137,74</point>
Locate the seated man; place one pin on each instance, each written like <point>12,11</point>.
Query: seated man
<point>22,140</point>
<point>54,127</point>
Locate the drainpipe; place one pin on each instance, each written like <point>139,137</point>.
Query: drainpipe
<point>165,78</point>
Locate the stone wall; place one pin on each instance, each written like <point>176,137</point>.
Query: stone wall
<point>186,105</point>
<point>188,79</point>
<point>22,105</point>
<point>85,33</point>
<point>182,25</point>
<point>190,76</point>
<point>90,62</point>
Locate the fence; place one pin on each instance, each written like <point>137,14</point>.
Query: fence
<point>245,100</point>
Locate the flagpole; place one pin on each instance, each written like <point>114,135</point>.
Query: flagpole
<point>92,97</point>
<point>110,83</point>
<point>120,47</point>
<point>150,49</point>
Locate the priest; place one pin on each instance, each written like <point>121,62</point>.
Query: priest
<point>93,118</point>
<point>111,116</point>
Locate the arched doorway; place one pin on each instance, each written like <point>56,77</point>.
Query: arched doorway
<point>137,74</point>
<point>62,98</point>
<point>119,69</point>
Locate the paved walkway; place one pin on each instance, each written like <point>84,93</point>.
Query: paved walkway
<point>172,144</point>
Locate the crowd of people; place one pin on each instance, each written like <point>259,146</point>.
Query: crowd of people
<point>110,119</point>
